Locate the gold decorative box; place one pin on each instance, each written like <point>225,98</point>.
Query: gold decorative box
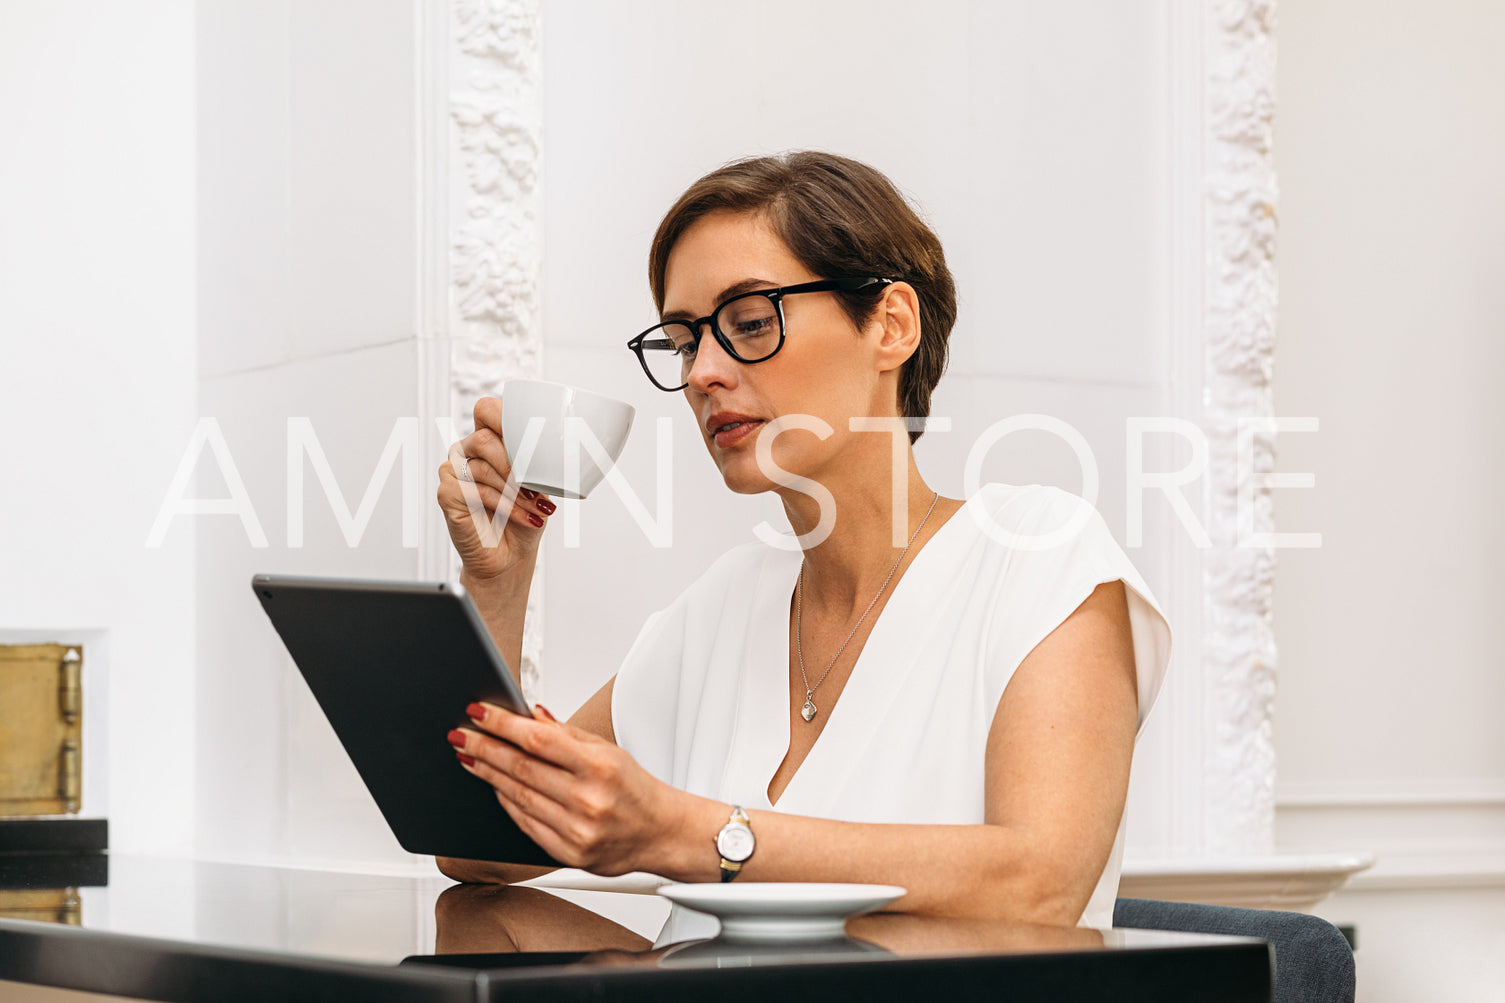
<point>41,729</point>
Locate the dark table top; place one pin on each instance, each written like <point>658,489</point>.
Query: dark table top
<point>190,930</point>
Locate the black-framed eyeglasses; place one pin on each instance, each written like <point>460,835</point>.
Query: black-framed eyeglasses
<point>749,327</point>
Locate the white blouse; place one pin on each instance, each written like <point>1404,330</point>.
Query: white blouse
<point>701,700</point>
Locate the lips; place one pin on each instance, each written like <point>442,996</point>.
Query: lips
<point>728,427</point>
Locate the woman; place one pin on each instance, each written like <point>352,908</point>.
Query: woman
<point>934,693</point>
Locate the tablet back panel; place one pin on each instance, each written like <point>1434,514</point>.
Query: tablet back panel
<point>393,666</point>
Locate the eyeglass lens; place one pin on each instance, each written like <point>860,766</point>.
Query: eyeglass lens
<point>750,324</point>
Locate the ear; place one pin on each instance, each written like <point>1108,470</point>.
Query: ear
<point>898,318</point>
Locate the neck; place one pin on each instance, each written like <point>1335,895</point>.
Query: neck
<point>873,523</point>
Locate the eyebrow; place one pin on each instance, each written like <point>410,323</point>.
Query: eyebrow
<point>735,289</point>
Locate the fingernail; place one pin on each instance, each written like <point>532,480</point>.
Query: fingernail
<point>529,493</point>
<point>546,713</point>
<point>535,520</point>
<point>456,738</point>
<point>467,760</point>
<point>475,712</point>
<point>547,506</point>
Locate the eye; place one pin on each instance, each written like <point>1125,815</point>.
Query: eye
<point>749,317</point>
<point>752,326</point>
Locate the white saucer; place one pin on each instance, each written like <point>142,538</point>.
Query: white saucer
<point>781,910</point>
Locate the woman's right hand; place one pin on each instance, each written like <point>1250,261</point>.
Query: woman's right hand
<point>490,546</point>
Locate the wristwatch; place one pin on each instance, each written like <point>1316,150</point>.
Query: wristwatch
<point>735,843</point>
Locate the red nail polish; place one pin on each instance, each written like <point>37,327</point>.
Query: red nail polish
<point>475,712</point>
<point>529,493</point>
<point>456,738</point>
<point>467,760</point>
<point>535,520</point>
<point>547,506</point>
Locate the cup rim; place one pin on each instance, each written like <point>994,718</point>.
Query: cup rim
<point>581,391</point>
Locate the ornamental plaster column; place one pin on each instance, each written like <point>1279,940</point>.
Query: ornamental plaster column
<point>481,122</point>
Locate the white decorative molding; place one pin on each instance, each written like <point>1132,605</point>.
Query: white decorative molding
<point>1237,638</point>
<point>1432,834</point>
<point>1295,882</point>
<point>1440,870</point>
<point>1179,818</point>
<point>497,114</point>
<point>1217,758</point>
<point>481,77</point>
<point>1392,794</point>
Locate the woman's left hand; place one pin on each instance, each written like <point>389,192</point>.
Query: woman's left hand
<point>585,801</point>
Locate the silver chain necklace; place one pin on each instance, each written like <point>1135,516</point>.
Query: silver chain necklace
<point>809,711</point>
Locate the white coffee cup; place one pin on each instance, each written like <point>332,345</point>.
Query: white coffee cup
<point>562,439</point>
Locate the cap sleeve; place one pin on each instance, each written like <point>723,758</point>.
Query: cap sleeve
<point>645,696</point>
<point>1056,550</point>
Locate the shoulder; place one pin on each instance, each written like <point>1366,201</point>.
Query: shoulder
<point>734,569</point>
<point>1032,508</point>
<point>741,560</point>
<point>1050,551</point>
<point>733,572</point>
<point>1035,535</point>
<point>1031,541</point>
<point>684,649</point>
<point>1036,519</point>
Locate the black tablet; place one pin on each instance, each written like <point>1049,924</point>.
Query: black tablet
<point>393,666</point>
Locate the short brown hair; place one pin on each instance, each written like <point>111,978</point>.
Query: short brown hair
<point>841,219</point>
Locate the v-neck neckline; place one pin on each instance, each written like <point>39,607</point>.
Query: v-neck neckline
<point>766,627</point>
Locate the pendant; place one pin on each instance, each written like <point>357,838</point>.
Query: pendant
<point>808,711</point>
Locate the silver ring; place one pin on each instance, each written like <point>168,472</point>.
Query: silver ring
<point>462,469</point>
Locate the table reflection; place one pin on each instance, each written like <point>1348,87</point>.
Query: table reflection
<point>494,925</point>
<point>721,953</point>
<point>44,887</point>
<point>509,919</point>
<point>903,933</point>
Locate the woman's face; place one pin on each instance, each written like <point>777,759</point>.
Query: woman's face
<point>827,368</point>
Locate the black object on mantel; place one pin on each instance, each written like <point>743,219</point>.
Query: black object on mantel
<point>53,853</point>
<point>63,834</point>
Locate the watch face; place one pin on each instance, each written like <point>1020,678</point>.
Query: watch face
<point>735,843</point>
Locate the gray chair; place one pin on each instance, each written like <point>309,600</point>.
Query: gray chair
<point>1313,961</point>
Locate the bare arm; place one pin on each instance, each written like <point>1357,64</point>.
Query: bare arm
<point>496,527</point>
<point>1057,775</point>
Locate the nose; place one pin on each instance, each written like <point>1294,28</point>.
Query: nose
<point>713,367</point>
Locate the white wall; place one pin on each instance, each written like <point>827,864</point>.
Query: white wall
<point>96,387</point>
<point>307,308</point>
<point>1391,146</point>
<point>1032,135</point>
